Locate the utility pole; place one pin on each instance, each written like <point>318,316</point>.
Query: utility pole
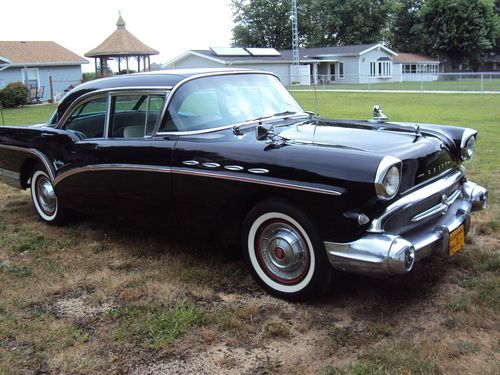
<point>294,69</point>
<point>295,37</point>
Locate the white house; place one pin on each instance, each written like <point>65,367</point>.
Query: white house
<point>415,67</point>
<point>329,65</point>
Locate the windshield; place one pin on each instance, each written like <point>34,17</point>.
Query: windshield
<point>212,102</point>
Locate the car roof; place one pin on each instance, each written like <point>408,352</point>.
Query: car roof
<point>161,78</point>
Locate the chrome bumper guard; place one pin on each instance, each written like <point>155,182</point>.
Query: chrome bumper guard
<point>380,253</point>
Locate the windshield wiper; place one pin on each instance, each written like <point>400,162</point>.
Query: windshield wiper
<point>236,128</point>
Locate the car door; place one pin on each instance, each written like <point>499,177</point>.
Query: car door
<point>75,182</point>
<point>135,168</point>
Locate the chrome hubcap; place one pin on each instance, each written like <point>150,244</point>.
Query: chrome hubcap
<point>282,251</point>
<point>45,195</point>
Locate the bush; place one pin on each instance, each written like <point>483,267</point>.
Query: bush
<point>14,95</point>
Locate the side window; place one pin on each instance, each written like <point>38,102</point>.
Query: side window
<point>134,116</point>
<point>89,118</point>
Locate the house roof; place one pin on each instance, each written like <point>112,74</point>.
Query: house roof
<point>306,55</point>
<point>37,53</point>
<point>413,57</point>
<point>121,43</point>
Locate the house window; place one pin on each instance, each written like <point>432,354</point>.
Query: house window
<point>33,77</point>
<point>381,68</point>
<point>341,70</point>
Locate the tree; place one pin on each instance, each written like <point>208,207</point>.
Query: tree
<point>262,23</point>
<point>460,31</point>
<point>344,22</point>
<point>406,30</point>
<point>266,23</point>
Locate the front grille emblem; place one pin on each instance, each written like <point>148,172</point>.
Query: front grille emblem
<point>444,202</point>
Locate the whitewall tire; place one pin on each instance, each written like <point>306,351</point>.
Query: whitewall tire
<point>284,251</point>
<point>44,197</point>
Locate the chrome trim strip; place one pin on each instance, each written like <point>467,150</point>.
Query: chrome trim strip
<point>235,168</point>
<point>44,159</point>
<point>190,162</point>
<point>211,165</point>
<point>258,170</point>
<point>439,209</point>
<point>263,181</point>
<point>113,167</point>
<point>418,195</point>
<point>194,172</point>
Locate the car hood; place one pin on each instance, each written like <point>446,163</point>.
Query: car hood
<point>424,155</point>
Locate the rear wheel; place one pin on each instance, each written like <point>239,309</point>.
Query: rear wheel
<point>285,251</point>
<point>44,197</point>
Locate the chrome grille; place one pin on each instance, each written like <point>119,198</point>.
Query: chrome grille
<point>401,221</point>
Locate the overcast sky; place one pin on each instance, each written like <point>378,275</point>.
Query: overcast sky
<point>169,26</point>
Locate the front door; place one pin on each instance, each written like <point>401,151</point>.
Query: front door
<point>333,75</point>
<point>126,171</point>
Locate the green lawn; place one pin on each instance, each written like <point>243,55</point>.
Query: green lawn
<point>468,84</point>
<point>30,114</point>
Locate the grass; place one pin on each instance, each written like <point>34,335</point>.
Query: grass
<point>97,296</point>
<point>31,114</point>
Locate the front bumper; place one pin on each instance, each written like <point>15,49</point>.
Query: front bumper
<point>381,253</point>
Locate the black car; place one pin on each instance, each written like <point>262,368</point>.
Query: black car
<point>232,150</point>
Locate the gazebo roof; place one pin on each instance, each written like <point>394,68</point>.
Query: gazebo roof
<point>121,43</point>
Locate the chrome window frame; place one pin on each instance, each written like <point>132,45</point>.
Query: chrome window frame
<point>109,93</point>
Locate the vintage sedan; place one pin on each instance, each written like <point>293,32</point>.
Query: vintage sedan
<point>231,150</point>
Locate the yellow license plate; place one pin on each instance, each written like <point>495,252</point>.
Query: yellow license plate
<point>456,240</point>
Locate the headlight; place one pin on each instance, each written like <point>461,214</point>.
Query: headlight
<point>469,149</point>
<point>388,177</point>
<point>468,144</point>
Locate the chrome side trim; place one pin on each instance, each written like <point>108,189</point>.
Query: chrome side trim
<point>211,165</point>
<point>195,172</point>
<point>439,209</point>
<point>424,192</point>
<point>235,168</point>
<point>261,181</point>
<point>113,167</point>
<point>258,170</point>
<point>44,159</point>
<point>190,162</point>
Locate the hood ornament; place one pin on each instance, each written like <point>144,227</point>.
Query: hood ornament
<point>378,115</point>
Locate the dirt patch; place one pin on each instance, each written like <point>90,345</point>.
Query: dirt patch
<point>81,307</point>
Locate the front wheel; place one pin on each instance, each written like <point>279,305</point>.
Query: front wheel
<point>44,198</point>
<point>285,252</point>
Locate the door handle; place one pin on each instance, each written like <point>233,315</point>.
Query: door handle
<point>46,135</point>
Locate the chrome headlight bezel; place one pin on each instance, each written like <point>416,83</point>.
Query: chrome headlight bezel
<point>388,178</point>
<point>468,144</point>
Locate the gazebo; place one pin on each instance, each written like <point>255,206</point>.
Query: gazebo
<point>121,46</point>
